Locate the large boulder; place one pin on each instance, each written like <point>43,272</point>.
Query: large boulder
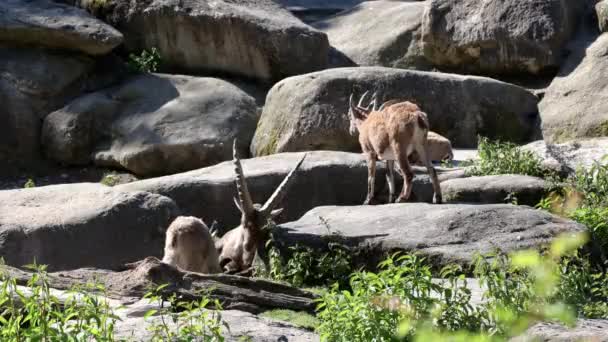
<point>153,124</point>
<point>252,38</point>
<point>567,157</point>
<point>49,24</point>
<point>499,37</point>
<point>309,112</point>
<point>81,225</point>
<point>378,33</point>
<point>525,190</point>
<point>33,84</point>
<point>584,330</point>
<point>576,103</point>
<point>324,178</point>
<point>449,233</point>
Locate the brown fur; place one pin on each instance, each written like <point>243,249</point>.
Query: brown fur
<point>392,134</point>
<point>189,246</point>
<point>440,149</point>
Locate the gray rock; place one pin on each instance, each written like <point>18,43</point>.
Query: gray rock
<point>526,190</point>
<point>324,178</point>
<point>601,9</point>
<point>499,37</point>
<point>81,225</point>
<point>48,24</point>
<point>576,103</point>
<point>567,157</point>
<point>585,330</point>
<point>378,33</point>
<point>309,112</point>
<point>320,4</point>
<point>252,38</point>
<point>153,124</point>
<point>450,233</point>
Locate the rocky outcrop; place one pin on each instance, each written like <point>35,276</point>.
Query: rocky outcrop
<point>576,103</point>
<point>601,9</point>
<point>378,33</point>
<point>44,23</point>
<point>81,225</point>
<point>567,157</point>
<point>252,38</point>
<point>450,233</point>
<point>309,112</point>
<point>499,37</point>
<point>585,330</point>
<point>153,124</point>
<point>525,190</point>
<point>324,178</point>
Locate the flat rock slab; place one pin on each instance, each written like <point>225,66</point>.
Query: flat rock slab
<point>54,25</point>
<point>567,157</point>
<point>81,225</point>
<point>495,189</point>
<point>324,178</point>
<point>445,233</point>
<point>595,330</point>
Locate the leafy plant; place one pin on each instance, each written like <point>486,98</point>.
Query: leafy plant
<point>110,179</point>
<point>29,184</point>
<point>497,157</point>
<point>146,61</point>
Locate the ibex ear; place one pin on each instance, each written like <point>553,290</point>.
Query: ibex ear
<point>238,205</point>
<point>276,212</point>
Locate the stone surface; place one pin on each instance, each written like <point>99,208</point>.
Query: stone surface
<point>309,112</point>
<point>81,225</point>
<point>45,23</point>
<point>324,178</point>
<point>35,82</point>
<point>499,37</point>
<point>586,330</point>
<point>378,33</point>
<point>153,124</point>
<point>576,103</point>
<point>601,9</point>
<point>252,38</point>
<point>566,158</point>
<point>526,190</point>
<point>444,233</point>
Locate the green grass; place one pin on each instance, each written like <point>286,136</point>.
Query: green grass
<point>300,319</point>
<point>497,157</point>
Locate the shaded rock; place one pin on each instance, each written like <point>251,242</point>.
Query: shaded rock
<point>44,23</point>
<point>35,82</point>
<point>601,9</point>
<point>153,124</point>
<point>576,103</point>
<point>567,157</point>
<point>309,112</point>
<point>585,330</point>
<point>80,225</point>
<point>378,33</point>
<point>444,233</point>
<point>499,37</point>
<point>526,190</point>
<point>252,38</point>
<point>324,178</point>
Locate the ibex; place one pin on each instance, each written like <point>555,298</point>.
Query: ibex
<point>392,132</point>
<point>440,149</point>
<point>237,248</point>
<point>189,246</point>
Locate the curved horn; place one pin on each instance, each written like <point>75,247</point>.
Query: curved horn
<point>281,190</point>
<point>374,103</point>
<point>360,104</point>
<point>241,185</point>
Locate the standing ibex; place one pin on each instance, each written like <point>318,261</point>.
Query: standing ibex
<point>237,248</point>
<point>392,132</point>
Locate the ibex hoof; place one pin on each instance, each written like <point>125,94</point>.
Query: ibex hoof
<point>438,200</point>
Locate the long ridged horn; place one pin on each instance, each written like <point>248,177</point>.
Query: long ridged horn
<point>374,103</point>
<point>360,104</point>
<point>241,184</point>
<point>281,190</point>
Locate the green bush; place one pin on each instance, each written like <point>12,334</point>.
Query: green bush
<point>496,157</point>
<point>146,61</point>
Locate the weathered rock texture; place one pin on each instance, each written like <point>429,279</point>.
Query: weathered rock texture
<point>576,103</point>
<point>44,23</point>
<point>499,37</point>
<point>81,225</point>
<point>566,158</point>
<point>601,9</point>
<point>253,38</point>
<point>324,178</point>
<point>443,233</point>
<point>585,330</point>
<point>309,112</point>
<point>378,33</point>
<point>526,190</point>
<point>153,124</point>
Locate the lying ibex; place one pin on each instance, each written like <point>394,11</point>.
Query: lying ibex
<point>189,246</point>
<point>440,149</point>
<point>237,248</point>
<point>392,132</point>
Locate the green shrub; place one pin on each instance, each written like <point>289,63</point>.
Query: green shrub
<point>146,61</point>
<point>110,179</point>
<point>29,184</point>
<point>496,157</point>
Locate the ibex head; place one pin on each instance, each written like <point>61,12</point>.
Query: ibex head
<point>254,215</point>
<point>358,113</point>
